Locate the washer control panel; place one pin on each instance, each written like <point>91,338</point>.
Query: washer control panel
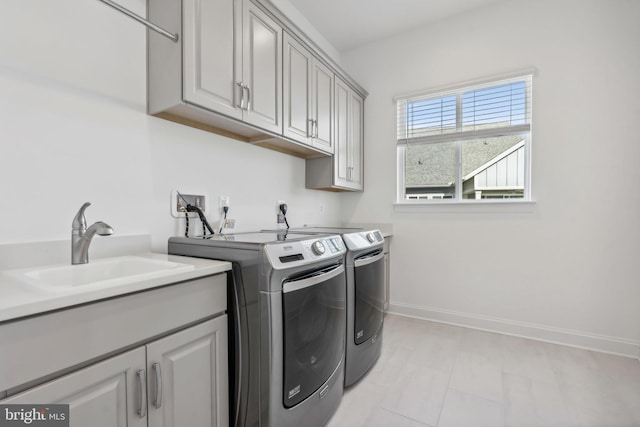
<point>317,247</point>
<point>363,239</point>
<point>296,253</point>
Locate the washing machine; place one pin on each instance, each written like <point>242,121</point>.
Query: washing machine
<point>287,337</point>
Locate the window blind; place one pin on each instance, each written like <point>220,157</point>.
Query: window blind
<point>497,108</point>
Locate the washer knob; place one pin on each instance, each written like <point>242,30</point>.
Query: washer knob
<point>317,247</point>
<point>370,238</point>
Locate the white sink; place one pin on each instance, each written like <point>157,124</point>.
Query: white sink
<point>99,273</point>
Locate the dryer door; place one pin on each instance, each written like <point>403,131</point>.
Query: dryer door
<point>314,328</point>
<point>369,295</point>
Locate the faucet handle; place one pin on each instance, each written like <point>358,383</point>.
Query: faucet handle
<point>79,221</point>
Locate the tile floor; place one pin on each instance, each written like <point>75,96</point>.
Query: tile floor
<point>431,374</point>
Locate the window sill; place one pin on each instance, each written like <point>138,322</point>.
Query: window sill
<point>471,206</point>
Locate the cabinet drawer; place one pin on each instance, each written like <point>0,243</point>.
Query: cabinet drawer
<point>32,349</point>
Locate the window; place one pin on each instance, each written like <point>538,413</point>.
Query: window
<point>465,144</point>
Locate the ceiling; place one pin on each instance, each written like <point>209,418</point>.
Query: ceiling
<point>348,24</point>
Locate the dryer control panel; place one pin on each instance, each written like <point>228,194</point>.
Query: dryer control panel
<point>297,253</point>
<point>363,239</point>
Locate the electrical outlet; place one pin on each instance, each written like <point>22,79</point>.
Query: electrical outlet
<point>229,223</point>
<point>281,219</point>
<point>179,201</point>
<point>224,201</point>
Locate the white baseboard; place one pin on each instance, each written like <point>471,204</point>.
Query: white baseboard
<point>601,343</point>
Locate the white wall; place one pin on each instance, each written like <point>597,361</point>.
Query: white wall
<point>307,28</point>
<point>73,128</point>
<point>567,267</point>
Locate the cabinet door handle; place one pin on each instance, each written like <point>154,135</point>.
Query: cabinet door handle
<point>142,403</point>
<point>158,371</point>
<point>315,128</point>
<point>241,86</point>
<point>310,128</point>
<point>248,97</point>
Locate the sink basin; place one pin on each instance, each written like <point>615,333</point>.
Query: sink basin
<point>98,273</point>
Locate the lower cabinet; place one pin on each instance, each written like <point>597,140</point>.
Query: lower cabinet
<point>178,380</point>
<point>187,377</point>
<point>102,395</point>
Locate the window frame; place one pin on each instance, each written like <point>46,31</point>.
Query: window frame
<point>460,136</point>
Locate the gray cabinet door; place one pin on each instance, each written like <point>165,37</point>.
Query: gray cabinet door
<point>322,106</point>
<point>297,91</point>
<point>308,97</point>
<point>356,142</point>
<point>262,69</point>
<point>349,137</point>
<point>187,377</point>
<point>341,153</point>
<point>107,394</point>
<point>212,54</point>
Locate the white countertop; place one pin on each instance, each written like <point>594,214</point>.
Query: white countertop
<point>18,299</point>
<point>385,228</point>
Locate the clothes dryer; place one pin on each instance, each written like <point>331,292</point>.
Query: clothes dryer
<point>365,296</point>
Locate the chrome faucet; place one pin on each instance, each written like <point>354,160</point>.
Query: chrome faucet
<point>81,235</point>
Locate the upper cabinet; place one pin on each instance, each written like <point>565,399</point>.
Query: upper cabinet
<point>261,69</point>
<point>356,142</point>
<point>228,62</point>
<point>241,69</point>
<point>308,97</point>
<point>212,58</point>
<point>344,170</point>
<point>349,119</point>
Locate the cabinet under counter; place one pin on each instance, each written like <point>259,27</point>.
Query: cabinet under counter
<point>39,348</point>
